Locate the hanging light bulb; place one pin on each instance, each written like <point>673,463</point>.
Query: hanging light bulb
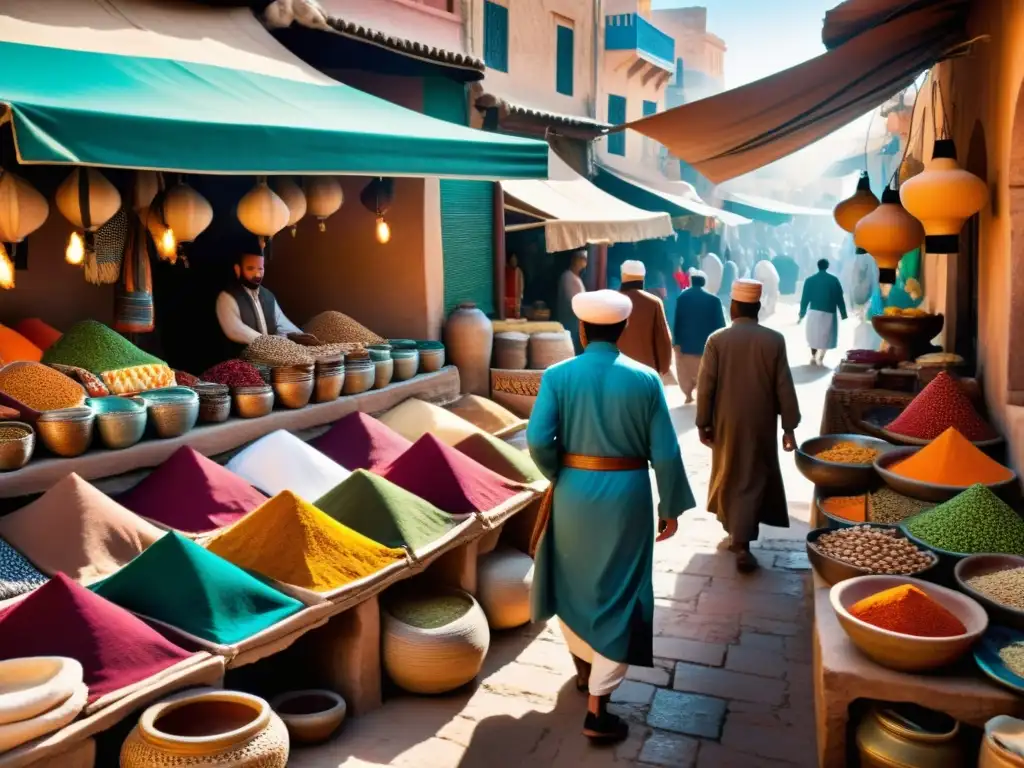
<point>887,233</point>
<point>854,208</point>
<point>383,230</point>
<point>75,253</point>
<point>6,270</point>
<point>168,245</point>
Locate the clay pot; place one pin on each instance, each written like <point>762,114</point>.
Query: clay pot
<point>469,339</point>
<point>504,580</point>
<point>226,729</point>
<point>311,716</point>
<point>546,349</point>
<point>510,350</point>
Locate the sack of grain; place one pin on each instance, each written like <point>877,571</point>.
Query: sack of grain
<point>338,328</point>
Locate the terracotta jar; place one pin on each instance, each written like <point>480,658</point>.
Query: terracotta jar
<point>226,729</point>
<point>893,736</point>
<point>469,339</point>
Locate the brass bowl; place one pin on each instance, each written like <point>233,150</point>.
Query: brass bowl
<point>327,389</point>
<point>121,427</point>
<point>833,571</point>
<point>907,653</point>
<point>384,370</point>
<point>982,565</point>
<point>253,402</point>
<point>311,716</point>
<point>839,479</point>
<point>918,489</point>
<point>358,380</point>
<point>173,419</point>
<point>67,433</point>
<point>16,452</point>
<point>294,394</point>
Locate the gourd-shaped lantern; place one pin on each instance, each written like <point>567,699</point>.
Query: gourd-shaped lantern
<point>88,200</point>
<point>185,212</point>
<point>22,211</point>
<point>324,196</point>
<point>147,185</point>
<point>853,209</point>
<point>887,233</point>
<point>377,196</point>
<point>262,212</point>
<point>943,197</point>
<point>147,200</point>
<point>293,197</point>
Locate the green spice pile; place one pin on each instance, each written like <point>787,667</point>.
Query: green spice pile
<point>1005,587</point>
<point>876,550</point>
<point>95,347</point>
<point>974,521</point>
<point>40,387</point>
<point>887,506</point>
<point>430,612</point>
<point>1013,657</point>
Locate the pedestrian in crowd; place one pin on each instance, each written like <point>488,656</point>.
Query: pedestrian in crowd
<point>569,285</point>
<point>600,420</point>
<point>729,276</point>
<point>698,315</point>
<point>822,298</point>
<point>765,274</point>
<point>744,386</point>
<point>647,338</point>
<point>712,268</point>
<point>789,273</point>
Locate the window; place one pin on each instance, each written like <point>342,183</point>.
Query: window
<point>564,64</point>
<point>495,36</point>
<point>650,108</point>
<point>617,116</point>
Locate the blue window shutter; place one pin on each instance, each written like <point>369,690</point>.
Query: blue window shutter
<point>617,116</point>
<point>565,63</point>
<point>495,36</point>
<point>650,108</point>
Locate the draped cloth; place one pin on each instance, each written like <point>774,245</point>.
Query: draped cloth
<point>133,298</point>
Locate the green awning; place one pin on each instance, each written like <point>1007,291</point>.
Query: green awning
<point>773,212</point>
<point>654,195</point>
<point>100,108</point>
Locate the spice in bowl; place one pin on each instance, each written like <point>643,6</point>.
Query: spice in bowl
<point>887,506</point>
<point>337,327</point>
<point>1005,587</point>
<point>40,387</point>
<point>847,452</point>
<point>874,550</point>
<point>906,609</point>
<point>430,612</point>
<point>8,433</point>
<point>971,522</point>
<point>852,508</point>
<point>951,459</point>
<point>277,351</point>
<point>234,373</point>
<point>1012,656</point>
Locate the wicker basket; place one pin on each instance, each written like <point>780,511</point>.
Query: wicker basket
<point>510,350</point>
<point>546,349</point>
<point>504,580</point>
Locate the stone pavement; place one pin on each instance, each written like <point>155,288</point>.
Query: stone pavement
<point>732,683</point>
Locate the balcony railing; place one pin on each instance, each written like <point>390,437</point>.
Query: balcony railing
<point>632,32</point>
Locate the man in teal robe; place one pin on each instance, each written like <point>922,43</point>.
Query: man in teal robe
<point>821,299</point>
<point>599,422</point>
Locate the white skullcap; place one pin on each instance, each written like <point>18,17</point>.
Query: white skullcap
<point>694,272</point>
<point>601,307</point>
<point>633,269</point>
<point>746,291</point>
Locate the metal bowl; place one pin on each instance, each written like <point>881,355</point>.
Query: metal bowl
<point>326,389</point>
<point>209,389</point>
<point>982,565</point>
<point>253,402</point>
<point>173,414</point>
<point>383,372</point>
<point>840,479</point>
<point>918,489</point>
<point>67,433</point>
<point>359,380</point>
<point>16,451</point>
<point>294,394</point>
<point>431,360</point>
<point>122,424</point>
<point>833,571</point>
<point>214,410</point>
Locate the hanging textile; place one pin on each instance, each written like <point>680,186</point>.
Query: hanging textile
<point>133,301</point>
<point>103,265</point>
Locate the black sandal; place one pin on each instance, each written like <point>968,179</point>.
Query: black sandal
<point>605,727</point>
<point>582,674</point>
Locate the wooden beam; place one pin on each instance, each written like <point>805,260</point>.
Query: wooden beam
<point>650,74</point>
<point>665,77</point>
<point>635,68</point>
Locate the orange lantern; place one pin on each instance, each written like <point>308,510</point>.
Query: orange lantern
<point>887,233</point>
<point>854,208</point>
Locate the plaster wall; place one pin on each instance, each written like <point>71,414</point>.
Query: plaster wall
<point>616,79</point>
<point>699,50</point>
<point>433,22</point>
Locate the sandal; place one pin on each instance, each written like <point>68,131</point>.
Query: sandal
<point>605,727</point>
<point>582,674</point>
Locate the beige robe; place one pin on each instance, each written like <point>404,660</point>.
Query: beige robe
<point>744,386</point>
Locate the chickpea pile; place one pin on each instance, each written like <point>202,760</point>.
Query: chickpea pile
<point>875,550</point>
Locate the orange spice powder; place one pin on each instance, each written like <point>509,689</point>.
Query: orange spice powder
<point>852,508</point>
<point>951,459</point>
<point>908,610</point>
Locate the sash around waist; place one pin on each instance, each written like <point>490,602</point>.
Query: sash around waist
<point>603,463</point>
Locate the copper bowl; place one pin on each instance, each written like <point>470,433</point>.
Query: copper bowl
<point>908,337</point>
<point>835,476</point>
<point>253,402</point>
<point>68,432</point>
<point>15,452</point>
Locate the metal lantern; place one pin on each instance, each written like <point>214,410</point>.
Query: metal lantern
<point>186,212</point>
<point>262,212</point>
<point>293,197</point>
<point>887,233</point>
<point>88,200</point>
<point>324,196</point>
<point>853,209</point>
<point>943,197</point>
<point>23,209</point>
<point>377,196</point>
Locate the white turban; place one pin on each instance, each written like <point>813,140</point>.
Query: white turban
<point>633,270</point>
<point>601,307</point>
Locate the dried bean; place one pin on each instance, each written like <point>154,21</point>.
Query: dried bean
<point>876,550</point>
<point>40,387</point>
<point>1006,586</point>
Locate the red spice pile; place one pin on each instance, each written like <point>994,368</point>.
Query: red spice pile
<point>185,379</point>
<point>939,406</point>
<point>234,373</point>
<point>359,441</point>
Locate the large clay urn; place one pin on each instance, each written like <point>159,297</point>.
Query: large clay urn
<point>469,339</point>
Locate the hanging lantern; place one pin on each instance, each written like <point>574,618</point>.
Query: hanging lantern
<point>324,196</point>
<point>23,210</point>
<point>383,230</point>
<point>163,237</point>
<point>943,197</point>
<point>186,212</point>
<point>262,212</point>
<point>377,196</point>
<point>6,270</point>
<point>88,200</point>
<point>293,197</point>
<point>853,209</point>
<point>147,184</point>
<point>887,233</point>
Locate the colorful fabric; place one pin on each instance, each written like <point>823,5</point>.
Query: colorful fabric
<point>359,441</point>
<point>133,299</point>
<point>38,332</point>
<point>14,347</point>
<point>282,462</point>
<point>17,575</point>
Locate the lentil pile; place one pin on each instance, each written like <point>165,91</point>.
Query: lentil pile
<point>874,550</point>
<point>40,387</point>
<point>234,373</point>
<point>852,508</point>
<point>1012,656</point>
<point>939,406</point>
<point>1005,587</point>
<point>277,350</point>
<point>848,453</point>
<point>430,612</point>
<point>908,610</point>
<point>974,521</point>
<point>951,459</point>
<point>97,348</point>
<point>339,328</point>
<point>887,506</point>
<point>12,433</point>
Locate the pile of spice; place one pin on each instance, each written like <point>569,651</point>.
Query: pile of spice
<point>277,351</point>
<point>385,513</point>
<point>40,387</point>
<point>951,459</point>
<point>282,462</point>
<point>184,379</point>
<point>501,458</point>
<point>359,441</point>
<point>1012,656</point>
<point>848,453</point>
<point>974,521</point>
<point>908,610</point>
<point>876,550</point>
<point>852,508</point>
<point>939,406</point>
<point>414,418</point>
<point>290,540</point>
<point>887,506</point>
<point>338,328</point>
<point>234,373</point>
<point>1005,587</point>
<point>430,612</point>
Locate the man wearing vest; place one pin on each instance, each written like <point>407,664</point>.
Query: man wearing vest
<point>246,310</point>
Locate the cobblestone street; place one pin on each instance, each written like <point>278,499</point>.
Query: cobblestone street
<point>732,683</point>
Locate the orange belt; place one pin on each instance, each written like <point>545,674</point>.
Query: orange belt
<point>578,461</point>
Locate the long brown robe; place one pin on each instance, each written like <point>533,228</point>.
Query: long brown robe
<point>647,338</point>
<point>744,386</point>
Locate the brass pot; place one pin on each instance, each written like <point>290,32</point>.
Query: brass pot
<point>994,756</point>
<point>294,394</point>
<point>15,453</point>
<point>253,402</point>
<point>328,388</point>
<point>900,735</point>
<point>67,433</point>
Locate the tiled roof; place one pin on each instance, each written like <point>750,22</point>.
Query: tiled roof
<point>512,109</point>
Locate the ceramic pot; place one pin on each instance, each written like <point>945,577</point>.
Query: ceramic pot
<point>504,579</point>
<point>469,339</point>
<point>311,716</point>
<point>510,350</point>
<point>993,755</point>
<point>546,349</point>
<point>34,685</point>
<point>893,736</point>
<point>226,729</point>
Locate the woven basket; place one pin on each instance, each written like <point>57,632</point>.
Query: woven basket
<point>504,580</point>
<point>546,349</point>
<point>515,390</point>
<point>431,661</point>
<point>510,350</point>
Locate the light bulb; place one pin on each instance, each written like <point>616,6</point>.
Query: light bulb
<point>75,253</point>
<point>383,230</point>
<point>168,245</point>
<point>6,269</point>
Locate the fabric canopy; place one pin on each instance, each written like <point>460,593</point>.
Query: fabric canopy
<point>579,213</point>
<point>740,130</point>
<point>177,86</point>
<point>676,198</point>
<point>770,211</point>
